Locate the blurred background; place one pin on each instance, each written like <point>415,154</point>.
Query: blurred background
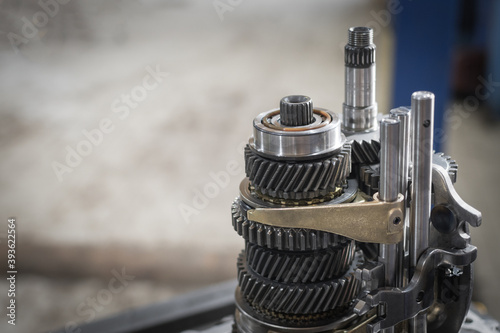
<point>122,125</point>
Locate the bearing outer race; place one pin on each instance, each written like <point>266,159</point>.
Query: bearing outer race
<point>303,141</point>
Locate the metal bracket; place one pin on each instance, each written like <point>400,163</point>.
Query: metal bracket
<point>419,294</point>
<point>445,193</point>
<point>374,221</point>
<point>371,274</point>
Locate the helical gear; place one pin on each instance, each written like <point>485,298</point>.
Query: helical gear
<point>295,298</point>
<point>300,267</point>
<point>365,152</point>
<point>297,180</point>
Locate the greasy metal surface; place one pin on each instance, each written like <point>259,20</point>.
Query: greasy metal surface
<point>371,222</point>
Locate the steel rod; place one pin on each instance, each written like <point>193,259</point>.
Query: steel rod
<point>389,189</point>
<point>403,114</point>
<point>422,108</point>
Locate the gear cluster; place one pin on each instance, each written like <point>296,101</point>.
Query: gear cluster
<point>295,298</point>
<point>309,170</point>
<point>295,275</point>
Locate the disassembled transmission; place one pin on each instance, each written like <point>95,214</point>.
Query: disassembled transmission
<point>352,225</point>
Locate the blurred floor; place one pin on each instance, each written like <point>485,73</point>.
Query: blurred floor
<point>46,303</point>
<point>134,202</point>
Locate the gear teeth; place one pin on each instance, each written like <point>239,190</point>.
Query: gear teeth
<point>310,298</point>
<point>369,176</point>
<point>359,56</point>
<point>296,110</point>
<point>289,239</point>
<point>300,267</point>
<point>448,164</point>
<point>297,180</point>
<point>370,179</point>
<point>365,152</point>
<point>347,153</point>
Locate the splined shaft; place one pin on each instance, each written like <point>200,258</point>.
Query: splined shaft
<point>360,108</point>
<point>296,110</point>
